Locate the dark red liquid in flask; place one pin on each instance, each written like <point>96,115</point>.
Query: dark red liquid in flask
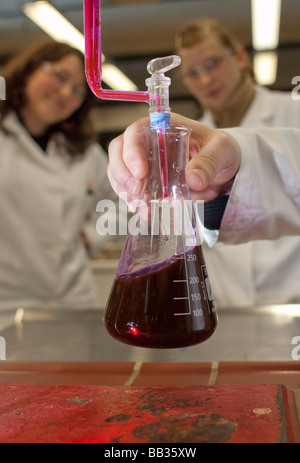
<point>164,306</point>
<point>161,295</point>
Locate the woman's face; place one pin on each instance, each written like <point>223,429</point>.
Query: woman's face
<point>54,92</point>
<point>212,72</point>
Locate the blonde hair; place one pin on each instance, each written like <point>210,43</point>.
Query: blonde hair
<point>194,32</point>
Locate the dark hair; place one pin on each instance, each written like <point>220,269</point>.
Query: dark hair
<point>77,129</point>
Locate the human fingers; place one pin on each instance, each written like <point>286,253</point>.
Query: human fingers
<point>212,170</point>
<point>127,165</point>
<point>214,159</point>
<point>135,147</point>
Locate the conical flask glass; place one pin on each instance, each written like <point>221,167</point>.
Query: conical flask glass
<point>161,296</point>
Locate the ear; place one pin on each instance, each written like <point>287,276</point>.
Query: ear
<point>242,58</point>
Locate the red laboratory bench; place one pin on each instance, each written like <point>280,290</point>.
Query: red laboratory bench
<point>140,402</point>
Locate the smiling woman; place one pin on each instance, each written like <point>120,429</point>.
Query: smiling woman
<point>52,175</point>
<point>63,77</point>
<point>53,93</point>
<point>28,85</point>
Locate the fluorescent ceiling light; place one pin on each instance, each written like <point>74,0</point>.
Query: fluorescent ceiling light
<point>60,29</point>
<point>265,23</point>
<point>54,23</point>
<point>116,79</point>
<point>265,67</point>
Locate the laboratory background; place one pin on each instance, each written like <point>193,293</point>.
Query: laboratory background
<point>252,344</point>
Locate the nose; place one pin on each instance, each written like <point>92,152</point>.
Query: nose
<point>66,90</point>
<point>204,78</point>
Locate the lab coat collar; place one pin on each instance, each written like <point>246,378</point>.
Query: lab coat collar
<point>56,154</point>
<point>263,106</point>
<point>14,126</point>
<point>260,113</point>
<point>12,123</point>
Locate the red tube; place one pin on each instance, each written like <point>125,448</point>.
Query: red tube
<point>93,54</point>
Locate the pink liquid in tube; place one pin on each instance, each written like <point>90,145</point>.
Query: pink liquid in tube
<point>163,164</point>
<point>93,64</point>
<point>93,57</point>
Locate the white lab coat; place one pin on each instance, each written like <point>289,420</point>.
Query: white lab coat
<point>259,272</point>
<point>264,199</point>
<point>46,200</point>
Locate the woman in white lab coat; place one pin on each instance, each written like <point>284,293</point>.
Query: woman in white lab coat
<point>217,71</point>
<point>52,174</point>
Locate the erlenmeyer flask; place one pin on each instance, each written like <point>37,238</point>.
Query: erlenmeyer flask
<point>161,296</point>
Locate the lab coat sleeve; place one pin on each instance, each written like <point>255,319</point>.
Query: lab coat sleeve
<point>264,201</point>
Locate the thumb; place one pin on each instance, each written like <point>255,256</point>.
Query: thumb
<point>216,164</point>
<point>201,172</point>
